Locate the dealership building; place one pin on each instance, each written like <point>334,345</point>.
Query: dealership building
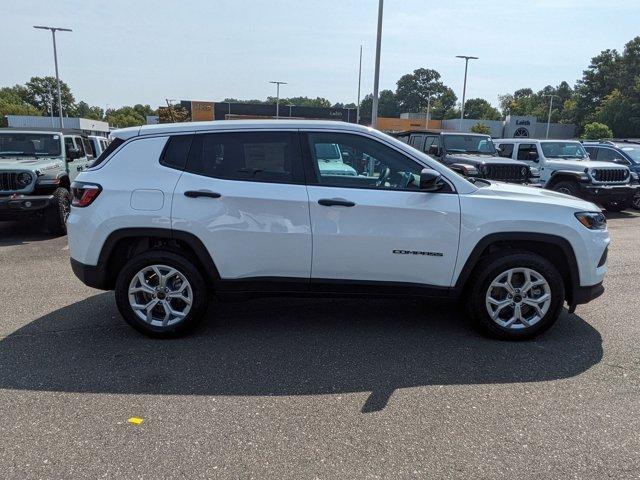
<point>511,127</point>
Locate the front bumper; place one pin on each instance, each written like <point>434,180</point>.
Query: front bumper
<point>586,294</point>
<point>21,206</point>
<point>608,193</point>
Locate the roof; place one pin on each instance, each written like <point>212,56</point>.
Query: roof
<point>167,128</point>
<point>34,131</point>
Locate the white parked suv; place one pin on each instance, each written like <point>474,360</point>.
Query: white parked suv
<point>172,213</point>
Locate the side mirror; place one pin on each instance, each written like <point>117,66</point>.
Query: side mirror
<point>498,149</point>
<point>430,180</point>
<point>533,156</point>
<point>433,150</point>
<point>73,154</point>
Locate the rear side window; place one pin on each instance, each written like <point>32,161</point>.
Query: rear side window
<point>272,157</point>
<point>80,146</point>
<point>176,151</point>
<point>88,148</point>
<point>105,153</point>
<point>506,150</point>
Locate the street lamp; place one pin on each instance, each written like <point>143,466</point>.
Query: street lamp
<point>376,75</point>
<point>278,97</point>
<point>55,59</point>
<point>550,108</point>
<point>464,87</point>
<point>359,81</point>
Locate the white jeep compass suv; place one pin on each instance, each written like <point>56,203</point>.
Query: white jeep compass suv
<point>171,213</point>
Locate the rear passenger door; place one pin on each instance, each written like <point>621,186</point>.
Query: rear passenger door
<point>243,194</point>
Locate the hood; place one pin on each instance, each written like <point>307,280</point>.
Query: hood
<point>478,159</point>
<point>29,163</point>
<point>580,165</point>
<point>519,193</point>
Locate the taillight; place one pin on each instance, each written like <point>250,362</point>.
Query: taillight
<point>84,193</point>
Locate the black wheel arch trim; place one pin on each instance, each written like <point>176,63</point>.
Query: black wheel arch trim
<point>97,276</point>
<point>485,242</point>
<point>557,175</point>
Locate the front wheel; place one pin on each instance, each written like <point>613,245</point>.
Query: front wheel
<point>515,296</point>
<point>636,201</point>
<point>567,187</point>
<point>161,294</point>
<point>56,215</point>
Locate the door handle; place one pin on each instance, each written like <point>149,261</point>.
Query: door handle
<point>341,202</point>
<point>201,193</point>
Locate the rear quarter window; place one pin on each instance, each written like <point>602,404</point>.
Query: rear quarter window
<point>176,151</point>
<point>109,150</point>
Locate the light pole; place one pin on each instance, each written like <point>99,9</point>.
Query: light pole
<point>278,97</point>
<point>55,59</point>
<point>428,107</point>
<point>359,82</point>
<point>50,93</point>
<point>376,75</point>
<point>464,87</point>
<point>550,108</point>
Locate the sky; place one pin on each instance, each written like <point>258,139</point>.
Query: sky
<point>123,52</point>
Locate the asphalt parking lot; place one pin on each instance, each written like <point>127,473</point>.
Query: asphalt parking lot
<point>282,388</point>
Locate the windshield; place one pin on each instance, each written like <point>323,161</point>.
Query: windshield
<point>327,151</point>
<point>564,150</point>
<point>469,144</point>
<point>633,152</point>
<point>29,144</point>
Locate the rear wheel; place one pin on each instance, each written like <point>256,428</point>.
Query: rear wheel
<point>56,215</point>
<point>515,296</point>
<point>161,294</point>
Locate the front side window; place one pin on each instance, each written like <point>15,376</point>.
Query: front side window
<point>251,156</point>
<point>633,152</point>
<point>371,164</point>
<point>573,150</point>
<point>87,147</point>
<point>610,155</point>
<point>527,151</point>
<point>29,144</point>
<point>417,142</point>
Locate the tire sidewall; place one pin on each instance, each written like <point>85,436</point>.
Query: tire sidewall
<point>572,187</point>
<point>186,268</point>
<point>55,216</point>
<point>494,267</point>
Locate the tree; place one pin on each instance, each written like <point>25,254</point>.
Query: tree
<point>481,109</point>
<point>12,102</point>
<point>83,110</point>
<point>481,128</point>
<point>414,90</point>
<point>126,116</point>
<point>387,106</point>
<point>41,92</point>
<point>619,113</point>
<point>596,131</point>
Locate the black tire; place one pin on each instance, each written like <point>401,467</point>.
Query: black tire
<point>56,215</point>
<point>493,266</point>
<point>199,293</point>
<point>568,187</point>
<point>616,206</point>
<point>636,201</point>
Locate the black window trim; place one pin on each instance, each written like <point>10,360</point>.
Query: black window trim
<point>301,180</point>
<point>166,146</point>
<point>312,173</point>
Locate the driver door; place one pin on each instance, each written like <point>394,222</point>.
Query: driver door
<point>378,226</point>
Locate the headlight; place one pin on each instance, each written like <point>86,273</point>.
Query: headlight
<point>23,179</point>
<point>592,220</point>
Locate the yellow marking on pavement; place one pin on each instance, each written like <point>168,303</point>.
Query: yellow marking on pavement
<point>135,420</point>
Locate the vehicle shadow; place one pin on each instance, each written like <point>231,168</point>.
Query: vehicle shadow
<point>20,232</point>
<point>623,214</point>
<point>286,347</point>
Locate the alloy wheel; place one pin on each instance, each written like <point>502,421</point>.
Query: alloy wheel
<point>518,298</point>
<point>160,295</point>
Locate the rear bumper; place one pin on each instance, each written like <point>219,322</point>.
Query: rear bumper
<point>21,206</point>
<point>608,193</point>
<point>586,294</point>
<point>90,275</point>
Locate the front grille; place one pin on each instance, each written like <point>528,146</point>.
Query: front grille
<point>8,181</point>
<point>507,173</point>
<point>609,175</point>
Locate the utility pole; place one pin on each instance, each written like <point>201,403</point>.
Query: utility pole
<point>464,87</point>
<point>50,93</point>
<point>359,82</point>
<point>278,97</point>
<point>376,75</point>
<point>55,60</point>
<point>550,108</point>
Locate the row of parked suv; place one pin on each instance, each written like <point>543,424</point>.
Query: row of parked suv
<point>605,173</point>
<point>36,171</point>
